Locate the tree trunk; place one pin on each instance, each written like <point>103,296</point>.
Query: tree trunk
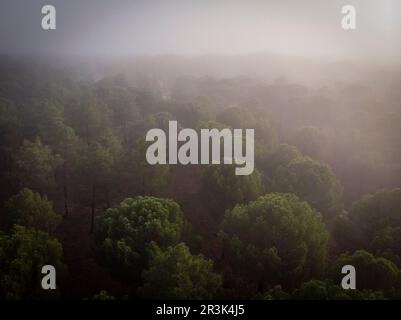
<point>65,193</point>
<point>65,200</point>
<point>92,209</point>
<point>108,203</point>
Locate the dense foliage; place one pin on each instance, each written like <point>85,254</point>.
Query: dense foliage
<point>73,168</point>
<point>375,273</point>
<point>23,252</point>
<point>312,181</point>
<point>125,235</point>
<point>29,209</point>
<point>222,189</point>
<point>256,250</point>
<point>177,274</point>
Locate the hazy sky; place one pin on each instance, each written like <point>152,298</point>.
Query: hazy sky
<point>123,27</point>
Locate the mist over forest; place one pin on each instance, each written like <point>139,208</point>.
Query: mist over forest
<point>77,192</point>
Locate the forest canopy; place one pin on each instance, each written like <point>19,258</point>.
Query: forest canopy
<point>77,192</point>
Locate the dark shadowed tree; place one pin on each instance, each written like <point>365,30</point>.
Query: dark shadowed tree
<point>123,234</point>
<point>281,155</point>
<point>377,211</point>
<point>177,274</point>
<point>375,273</point>
<point>221,188</point>
<point>325,290</point>
<point>373,223</point>
<point>138,176</point>
<point>94,172</point>
<point>255,249</point>
<point>23,253</point>
<point>36,166</point>
<point>29,209</point>
<point>312,181</point>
